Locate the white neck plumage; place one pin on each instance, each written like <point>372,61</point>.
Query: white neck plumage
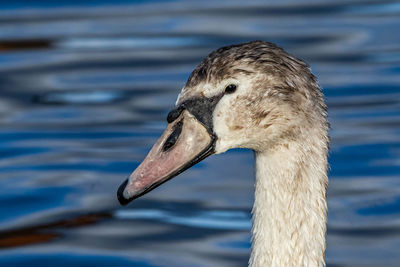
<point>289,213</point>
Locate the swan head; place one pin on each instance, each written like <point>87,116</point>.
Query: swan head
<point>252,95</point>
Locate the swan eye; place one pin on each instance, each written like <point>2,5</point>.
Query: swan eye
<point>230,89</point>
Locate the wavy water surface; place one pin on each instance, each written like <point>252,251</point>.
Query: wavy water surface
<point>85,89</point>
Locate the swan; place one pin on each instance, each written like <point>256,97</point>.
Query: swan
<point>256,96</point>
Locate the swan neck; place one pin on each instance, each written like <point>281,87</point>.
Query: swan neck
<point>289,213</point>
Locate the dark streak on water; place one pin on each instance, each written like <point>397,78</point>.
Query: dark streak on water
<point>85,89</point>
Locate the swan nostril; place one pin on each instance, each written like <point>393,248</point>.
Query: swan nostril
<point>171,140</point>
<point>168,145</point>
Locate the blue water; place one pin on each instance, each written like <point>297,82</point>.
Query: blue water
<point>85,87</point>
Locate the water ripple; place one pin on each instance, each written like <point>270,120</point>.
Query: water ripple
<point>217,219</point>
<point>85,90</point>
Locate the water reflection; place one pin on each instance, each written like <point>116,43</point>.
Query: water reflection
<point>85,90</point>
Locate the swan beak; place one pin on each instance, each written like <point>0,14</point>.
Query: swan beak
<point>184,143</point>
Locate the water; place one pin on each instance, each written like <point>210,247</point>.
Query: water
<point>85,89</point>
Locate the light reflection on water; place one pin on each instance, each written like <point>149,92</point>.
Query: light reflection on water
<point>85,91</point>
<point>228,220</point>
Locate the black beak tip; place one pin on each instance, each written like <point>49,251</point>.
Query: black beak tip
<point>120,194</point>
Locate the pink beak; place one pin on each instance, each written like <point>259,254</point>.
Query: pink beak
<point>184,143</point>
